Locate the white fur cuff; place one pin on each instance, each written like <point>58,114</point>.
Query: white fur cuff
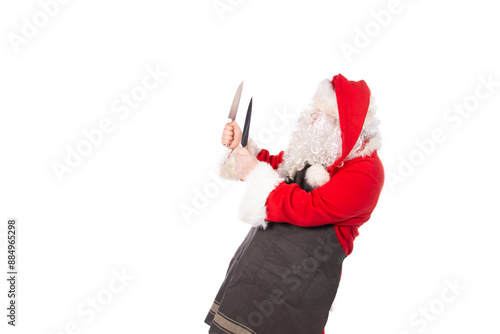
<point>260,182</point>
<point>226,166</point>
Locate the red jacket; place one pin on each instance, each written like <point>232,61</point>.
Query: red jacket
<point>346,200</point>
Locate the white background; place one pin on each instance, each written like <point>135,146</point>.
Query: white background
<point>120,208</point>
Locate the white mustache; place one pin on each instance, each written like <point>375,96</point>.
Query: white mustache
<point>316,139</point>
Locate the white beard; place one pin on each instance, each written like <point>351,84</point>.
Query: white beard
<point>319,142</point>
<point>313,141</point>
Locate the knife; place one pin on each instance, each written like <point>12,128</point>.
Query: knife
<point>236,102</point>
<point>246,127</point>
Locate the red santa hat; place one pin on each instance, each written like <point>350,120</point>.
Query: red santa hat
<point>348,101</point>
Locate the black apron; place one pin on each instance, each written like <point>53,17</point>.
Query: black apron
<point>281,280</point>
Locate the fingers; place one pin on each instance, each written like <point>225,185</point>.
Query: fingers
<point>227,134</point>
<point>236,128</point>
<point>231,135</point>
<point>227,139</point>
<point>232,125</point>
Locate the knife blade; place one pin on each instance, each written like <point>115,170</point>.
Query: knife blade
<point>236,102</point>
<point>246,127</point>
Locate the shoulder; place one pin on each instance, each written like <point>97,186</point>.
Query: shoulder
<point>368,168</point>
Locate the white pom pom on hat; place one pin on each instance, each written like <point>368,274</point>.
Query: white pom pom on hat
<point>316,176</point>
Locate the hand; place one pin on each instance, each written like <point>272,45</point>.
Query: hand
<point>244,162</point>
<point>231,135</point>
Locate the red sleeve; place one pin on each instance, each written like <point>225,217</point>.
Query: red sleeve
<point>273,160</point>
<point>347,199</point>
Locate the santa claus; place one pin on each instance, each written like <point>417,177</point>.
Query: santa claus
<point>305,205</point>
